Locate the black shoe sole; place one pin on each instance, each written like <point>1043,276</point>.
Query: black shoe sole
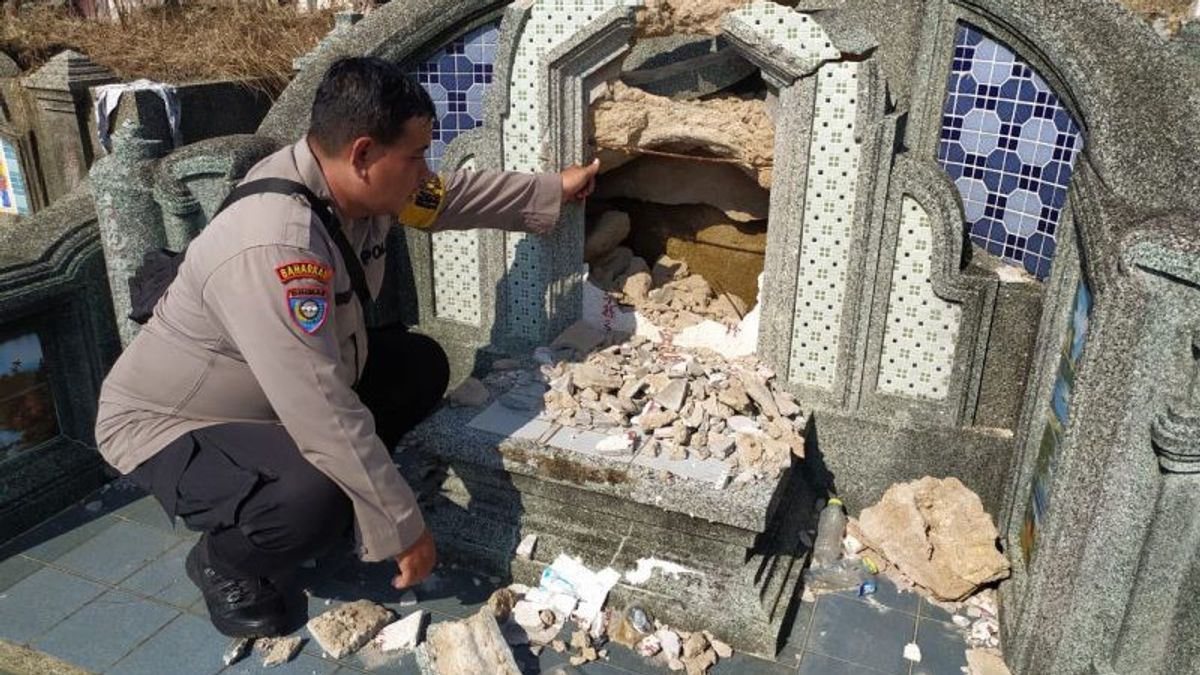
<point>263,628</point>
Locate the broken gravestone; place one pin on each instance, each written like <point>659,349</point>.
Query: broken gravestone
<point>467,647</point>
<point>936,533</point>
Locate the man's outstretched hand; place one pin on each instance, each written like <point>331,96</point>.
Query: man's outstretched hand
<point>579,181</point>
<point>416,562</point>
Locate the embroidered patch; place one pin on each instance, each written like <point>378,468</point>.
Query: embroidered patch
<point>309,307</point>
<point>305,269</point>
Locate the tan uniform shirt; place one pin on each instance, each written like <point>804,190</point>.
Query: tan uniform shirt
<point>250,331</point>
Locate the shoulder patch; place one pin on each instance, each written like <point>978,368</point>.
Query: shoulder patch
<point>308,307</point>
<point>305,269</point>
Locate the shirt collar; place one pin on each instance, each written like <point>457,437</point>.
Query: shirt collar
<point>310,170</point>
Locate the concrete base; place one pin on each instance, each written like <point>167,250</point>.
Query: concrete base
<point>482,493</point>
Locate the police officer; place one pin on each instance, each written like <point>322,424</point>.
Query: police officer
<point>254,403</point>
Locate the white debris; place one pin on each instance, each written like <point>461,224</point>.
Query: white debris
<point>744,425</point>
<point>731,343</point>
<point>912,652</point>
<point>408,599</point>
<point>569,575</point>
<point>403,634</point>
<point>617,444</point>
<point>526,547</point>
<point>646,566</point>
<point>670,643</point>
<point>960,620</point>
<point>237,650</point>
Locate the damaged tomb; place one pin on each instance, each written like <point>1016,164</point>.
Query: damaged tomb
<point>918,257</point>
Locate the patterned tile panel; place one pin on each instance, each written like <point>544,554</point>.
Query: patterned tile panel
<point>456,292</point>
<point>550,24</point>
<point>801,37</point>
<point>922,329</point>
<point>457,77</point>
<point>828,221</point>
<point>1010,146</point>
<point>14,196</point>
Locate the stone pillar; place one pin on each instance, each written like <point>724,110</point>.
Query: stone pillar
<point>129,218</point>
<point>1158,633</point>
<point>60,91</point>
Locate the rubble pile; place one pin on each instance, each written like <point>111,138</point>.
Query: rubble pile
<point>681,405</point>
<point>668,295</point>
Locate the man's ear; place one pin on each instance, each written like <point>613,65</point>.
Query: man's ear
<point>361,155</point>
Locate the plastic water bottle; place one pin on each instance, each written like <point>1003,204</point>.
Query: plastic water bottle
<point>830,528</point>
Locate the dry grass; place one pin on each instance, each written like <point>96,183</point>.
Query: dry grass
<point>181,44</point>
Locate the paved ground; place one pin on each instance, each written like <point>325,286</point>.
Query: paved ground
<point>102,586</point>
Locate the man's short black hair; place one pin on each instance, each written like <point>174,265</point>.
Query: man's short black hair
<point>365,96</point>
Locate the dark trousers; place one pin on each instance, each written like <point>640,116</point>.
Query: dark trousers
<point>263,506</point>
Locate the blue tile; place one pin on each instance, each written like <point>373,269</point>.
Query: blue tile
<point>1018,94</point>
<point>943,648</point>
<point>148,511</point>
<point>15,569</point>
<point>859,633</point>
<point>188,645</point>
<point>303,664</point>
<point>40,601</point>
<point>61,534</point>
<point>888,595</point>
<point>165,578</point>
<point>122,550</point>
<point>104,630</point>
<point>819,664</point>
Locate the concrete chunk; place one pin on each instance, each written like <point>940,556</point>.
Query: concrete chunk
<point>345,628</point>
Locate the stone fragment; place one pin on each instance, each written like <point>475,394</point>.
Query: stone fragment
<point>665,17</point>
<point>700,663</point>
<point>471,392</point>
<point>749,450</point>
<point>604,235</point>
<point>278,651</point>
<point>671,645</point>
<point>675,665</point>
<point>649,646</point>
<point>470,646</point>
<point>757,390</point>
<point>345,628</point>
<point>632,388</point>
<point>740,424</point>
<point>588,376</point>
<point>501,602</point>
<point>580,336</point>
<point>547,617</point>
<point>637,287</point>
<point>656,420</point>
<point>667,269</point>
<point>558,646</point>
<point>786,404</point>
<point>986,662</point>
<point>404,634</point>
<point>722,649</point>
<point>912,652</point>
<point>526,547</point>
<point>684,66</point>
<point>735,397</point>
<point>580,640</point>
<point>605,272</point>
<point>673,395</point>
<point>695,645</point>
<point>615,445</point>
<point>720,445</point>
<point>237,650</point>
<point>937,534</point>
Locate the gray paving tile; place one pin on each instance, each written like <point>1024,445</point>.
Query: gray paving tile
<point>751,665</point>
<point>584,442</point>
<point>888,595</point>
<point>932,611</point>
<point>793,644</point>
<point>303,664</point>
<point>58,536</point>
<point>502,421</point>
<point>165,578</point>
<point>819,664</point>
<point>148,511</point>
<point>15,569</point>
<point>706,470</point>
<point>943,648</point>
<point>104,630</point>
<point>41,600</point>
<point>866,635</point>
<point>188,645</point>
<point>123,549</point>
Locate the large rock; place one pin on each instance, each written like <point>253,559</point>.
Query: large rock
<point>936,533</point>
<point>664,17</point>
<point>666,180</point>
<point>343,629</point>
<point>629,119</point>
<point>685,66</point>
<point>728,255</point>
<point>605,234</point>
<point>468,647</point>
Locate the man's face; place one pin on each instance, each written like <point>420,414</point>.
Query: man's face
<point>395,171</point>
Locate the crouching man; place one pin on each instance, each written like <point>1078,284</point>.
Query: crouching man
<point>255,404</point>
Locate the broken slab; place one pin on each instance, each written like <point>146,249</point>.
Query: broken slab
<point>467,647</point>
<point>344,629</point>
<point>936,533</point>
<point>685,66</point>
<point>278,651</point>
<point>402,635</point>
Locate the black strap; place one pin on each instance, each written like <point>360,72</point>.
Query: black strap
<point>284,186</point>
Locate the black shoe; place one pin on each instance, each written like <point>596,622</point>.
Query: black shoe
<point>237,606</point>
